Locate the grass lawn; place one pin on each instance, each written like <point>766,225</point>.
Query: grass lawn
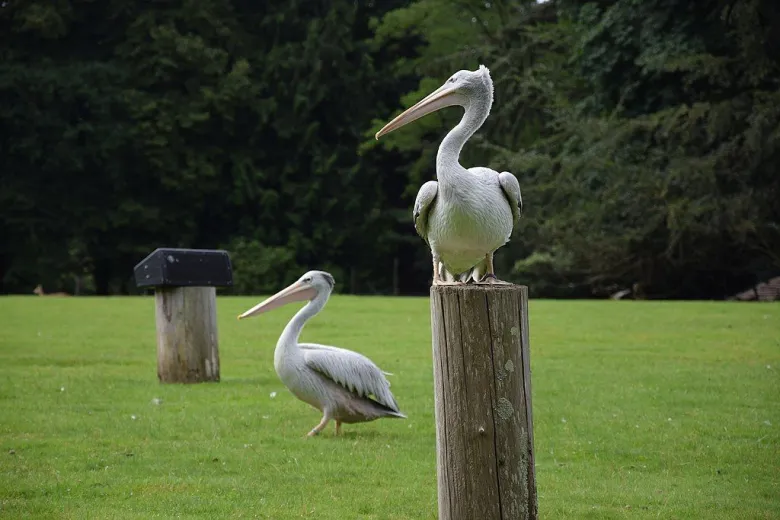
<point>641,410</point>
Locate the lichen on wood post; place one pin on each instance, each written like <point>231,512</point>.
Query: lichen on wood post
<point>187,344</point>
<point>484,426</point>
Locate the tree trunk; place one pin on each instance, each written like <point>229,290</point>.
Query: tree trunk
<point>102,276</point>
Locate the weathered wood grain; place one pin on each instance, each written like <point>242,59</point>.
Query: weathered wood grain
<point>484,441</point>
<point>187,345</point>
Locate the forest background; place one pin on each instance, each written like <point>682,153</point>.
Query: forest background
<point>645,135</point>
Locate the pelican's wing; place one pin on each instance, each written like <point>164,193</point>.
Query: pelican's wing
<point>351,370</point>
<point>422,206</point>
<point>508,184</point>
<point>511,189</point>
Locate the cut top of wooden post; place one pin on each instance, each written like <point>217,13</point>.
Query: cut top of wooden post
<point>172,267</point>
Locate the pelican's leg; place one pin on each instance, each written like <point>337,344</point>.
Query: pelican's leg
<point>338,427</point>
<point>490,276</point>
<point>317,429</point>
<point>437,274</point>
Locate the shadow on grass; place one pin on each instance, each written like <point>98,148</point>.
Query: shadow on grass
<point>354,435</point>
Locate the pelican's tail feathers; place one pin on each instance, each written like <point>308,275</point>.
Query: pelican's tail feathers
<point>465,276</point>
<point>447,275</point>
<point>383,410</point>
<point>474,274</point>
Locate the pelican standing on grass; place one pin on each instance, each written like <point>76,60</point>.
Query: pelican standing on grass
<point>469,213</point>
<point>336,381</point>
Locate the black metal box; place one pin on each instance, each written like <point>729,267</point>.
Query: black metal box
<point>169,267</point>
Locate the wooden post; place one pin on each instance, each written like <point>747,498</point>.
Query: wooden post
<point>187,346</point>
<point>484,427</point>
<point>185,282</point>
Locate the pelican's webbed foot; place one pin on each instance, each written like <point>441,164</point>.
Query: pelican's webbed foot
<point>490,277</point>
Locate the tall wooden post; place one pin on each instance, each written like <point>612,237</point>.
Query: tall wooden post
<point>484,426</point>
<point>185,282</point>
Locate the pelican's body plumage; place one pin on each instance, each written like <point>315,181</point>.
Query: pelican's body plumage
<point>463,225</point>
<point>466,214</point>
<point>345,386</point>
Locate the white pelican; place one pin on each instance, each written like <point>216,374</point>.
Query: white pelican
<point>468,214</point>
<point>338,382</point>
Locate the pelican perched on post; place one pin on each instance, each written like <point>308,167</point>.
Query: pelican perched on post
<point>338,382</point>
<point>469,213</point>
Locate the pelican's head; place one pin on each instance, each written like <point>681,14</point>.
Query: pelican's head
<point>307,287</point>
<point>463,88</point>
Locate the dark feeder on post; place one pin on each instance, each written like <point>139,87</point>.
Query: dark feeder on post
<point>185,294</point>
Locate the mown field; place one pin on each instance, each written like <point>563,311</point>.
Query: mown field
<point>641,410</point>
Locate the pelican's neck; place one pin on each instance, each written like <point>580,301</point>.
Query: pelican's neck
<point>288,341</point>
<point>474,115</point>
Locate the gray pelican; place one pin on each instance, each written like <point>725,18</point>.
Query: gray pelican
<point>338,382</point>
<point>469,213</point>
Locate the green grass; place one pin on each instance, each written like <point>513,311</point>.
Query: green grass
<point>641,410</point>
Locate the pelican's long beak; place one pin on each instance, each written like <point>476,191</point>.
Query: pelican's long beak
<point>297,292</point>
<point>444,96</point>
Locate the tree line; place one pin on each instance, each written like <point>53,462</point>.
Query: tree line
<point>644,134</point>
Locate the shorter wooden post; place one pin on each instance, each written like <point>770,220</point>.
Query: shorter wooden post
<point>187,345</point>
<point>185,282</point>
<point>484,426</point>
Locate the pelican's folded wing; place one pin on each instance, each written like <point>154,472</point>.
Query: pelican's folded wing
<point>511,189</point>
<point>422,206</point>
<point>351,370</point>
